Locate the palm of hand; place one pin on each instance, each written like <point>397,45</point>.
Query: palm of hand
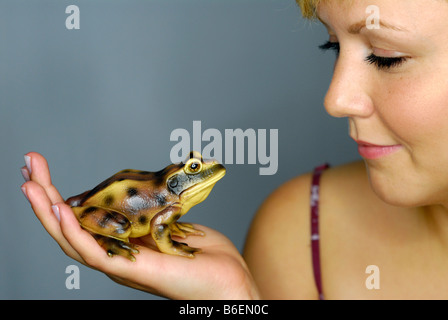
<point>219,272</point>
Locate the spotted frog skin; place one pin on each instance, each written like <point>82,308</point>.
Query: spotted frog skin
<point>134,203</point>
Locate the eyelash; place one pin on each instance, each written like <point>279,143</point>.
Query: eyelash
<point>381,63</point>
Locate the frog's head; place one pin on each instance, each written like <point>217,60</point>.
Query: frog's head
<point>194,179</point>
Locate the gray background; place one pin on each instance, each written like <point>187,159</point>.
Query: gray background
<point>107,97</point>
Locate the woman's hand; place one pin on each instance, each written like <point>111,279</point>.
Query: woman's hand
<point>219,272</point>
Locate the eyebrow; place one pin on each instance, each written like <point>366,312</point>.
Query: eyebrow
<point>357,27</point>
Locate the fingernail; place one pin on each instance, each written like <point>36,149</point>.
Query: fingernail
<point>55,209</point>
<point>25,173</point>
<point>28,163</point>
<point>24,193</point>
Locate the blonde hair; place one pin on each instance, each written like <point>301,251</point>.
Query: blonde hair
<point>308,8</point>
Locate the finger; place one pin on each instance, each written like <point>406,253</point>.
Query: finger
<point>37,167</point>
<point>25,173</point>
<point>41,205</point>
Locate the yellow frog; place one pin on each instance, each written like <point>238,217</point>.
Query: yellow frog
<point>134,203</point>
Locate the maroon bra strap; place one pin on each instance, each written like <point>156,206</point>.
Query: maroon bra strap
<point>315,227</point>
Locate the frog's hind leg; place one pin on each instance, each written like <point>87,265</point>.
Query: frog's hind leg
<point>117,247</point>
<point>110,228</point>
<point>183,230</point>
<point>76,201</point>
<point>102,221</point>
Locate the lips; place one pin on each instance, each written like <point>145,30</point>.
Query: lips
<point>372,151</point>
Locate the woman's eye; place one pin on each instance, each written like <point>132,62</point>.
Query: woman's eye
<point>385,63</point>
<point>334,46</point>
<point>382,63</point>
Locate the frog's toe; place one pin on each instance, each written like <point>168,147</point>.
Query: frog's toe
<point>115,247</point>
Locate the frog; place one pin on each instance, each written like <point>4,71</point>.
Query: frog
<point>134,203</point>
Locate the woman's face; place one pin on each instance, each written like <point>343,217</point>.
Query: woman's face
<point>392,84</point>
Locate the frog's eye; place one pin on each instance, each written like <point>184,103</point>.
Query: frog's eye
<point>193,167</point>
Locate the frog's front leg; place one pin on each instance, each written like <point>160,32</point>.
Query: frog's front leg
<point>182,229</point>
<point>110,228</point>
<point>161,233</point>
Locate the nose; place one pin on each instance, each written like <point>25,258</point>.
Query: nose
<point>348,94</point>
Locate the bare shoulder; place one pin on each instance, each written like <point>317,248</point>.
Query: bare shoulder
<point>345,181</point>
<point>278,245</point>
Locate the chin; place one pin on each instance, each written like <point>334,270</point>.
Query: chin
<point>397,190</point>
<point>397,200</point>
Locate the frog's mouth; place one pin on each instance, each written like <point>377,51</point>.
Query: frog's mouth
<point>200,192</point>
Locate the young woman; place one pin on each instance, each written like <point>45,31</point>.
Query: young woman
<point>387,215</point>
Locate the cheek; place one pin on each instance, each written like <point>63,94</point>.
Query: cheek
<point>416,110</point>
<point>412,106</point>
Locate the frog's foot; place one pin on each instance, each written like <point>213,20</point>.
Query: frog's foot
<point>183,230</point>
<point>117,247</point>
<point>162,236</point>
<point>181,249</point>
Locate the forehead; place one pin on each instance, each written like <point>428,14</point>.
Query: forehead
<point>413,15</point>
